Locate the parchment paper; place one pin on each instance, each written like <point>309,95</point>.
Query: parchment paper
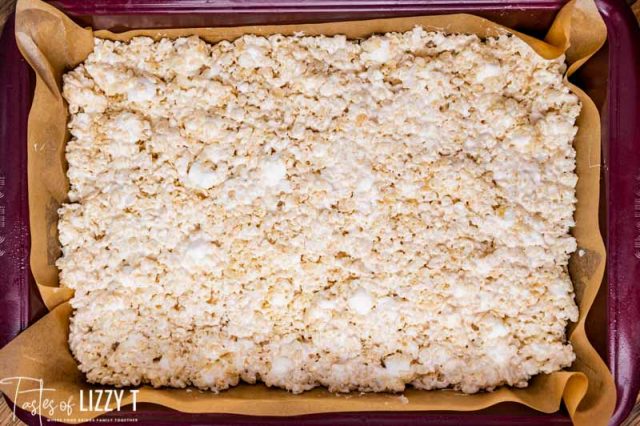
<point>52,44</point>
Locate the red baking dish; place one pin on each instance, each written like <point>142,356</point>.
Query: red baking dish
<point>610,78</point>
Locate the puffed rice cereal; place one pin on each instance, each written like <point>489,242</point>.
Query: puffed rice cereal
<point>306,211</point>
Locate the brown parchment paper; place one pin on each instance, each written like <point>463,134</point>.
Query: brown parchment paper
<point>52,44</point>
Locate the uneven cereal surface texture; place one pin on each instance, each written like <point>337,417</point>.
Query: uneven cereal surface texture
<point>305,211</point>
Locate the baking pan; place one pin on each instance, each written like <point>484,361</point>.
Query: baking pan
<point>610,78</point>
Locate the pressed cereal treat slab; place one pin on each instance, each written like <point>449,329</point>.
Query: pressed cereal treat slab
<point>310,210</point>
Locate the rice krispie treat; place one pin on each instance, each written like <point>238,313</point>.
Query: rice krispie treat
<point>306,211</point>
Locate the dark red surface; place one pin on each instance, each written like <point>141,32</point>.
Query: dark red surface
<point>15,278</point>
<point>615,89</point>
<point>621,148</point>
<point>149,414</point>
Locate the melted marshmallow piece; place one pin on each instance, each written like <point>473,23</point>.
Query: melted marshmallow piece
<point>488,71</point>
<point>273,172</point>
<point>204,177</point>
<point>361,302</point>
